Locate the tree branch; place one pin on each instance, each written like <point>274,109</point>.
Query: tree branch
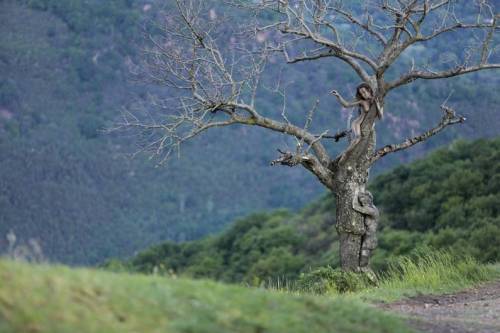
<point>308,57</point>
<point>366,26</point>
<point>430,75</point>
<point>449,118</point>
<point>338,50</point>
<point>337,136</point>
<point>286,128</point>
<point>394,50</point>
<point>309,162</point>
<point>329,53</point>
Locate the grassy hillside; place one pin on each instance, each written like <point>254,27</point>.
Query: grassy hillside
<point>449,200</point>
<point>59,300</point>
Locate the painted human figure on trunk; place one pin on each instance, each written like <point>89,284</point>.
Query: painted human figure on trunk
<point>363,203</point>
<point>364,99</point>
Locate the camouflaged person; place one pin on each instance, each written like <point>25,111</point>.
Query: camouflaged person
<point>363,203</point>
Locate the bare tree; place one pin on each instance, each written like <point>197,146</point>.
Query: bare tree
<point>215,70</point>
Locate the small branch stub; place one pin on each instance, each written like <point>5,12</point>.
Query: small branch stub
<point>287,158</point>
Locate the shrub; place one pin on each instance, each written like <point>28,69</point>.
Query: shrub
<point>325,280</point>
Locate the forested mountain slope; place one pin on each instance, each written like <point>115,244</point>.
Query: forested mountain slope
<point>449,200</point>
<point>64,76</point>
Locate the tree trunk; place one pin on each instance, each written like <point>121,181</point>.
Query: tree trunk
<point>351,175</point>
<point>350,225</point>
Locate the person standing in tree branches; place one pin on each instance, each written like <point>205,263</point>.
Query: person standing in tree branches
<point>364,98</point>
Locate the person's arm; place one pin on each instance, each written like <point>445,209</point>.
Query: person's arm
<point>371,211</point>
<point>342,101</point>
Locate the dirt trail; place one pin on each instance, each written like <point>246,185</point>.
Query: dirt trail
<point>475,310</point>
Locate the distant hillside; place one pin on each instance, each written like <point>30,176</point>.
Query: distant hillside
<point>448,200</point>
<point>64,77</point>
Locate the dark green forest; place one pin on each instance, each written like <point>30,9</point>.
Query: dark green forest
<point>65,76</point>
<point>449,200</point>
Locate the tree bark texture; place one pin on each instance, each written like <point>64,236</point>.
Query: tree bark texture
<point>351,176</point>
<point>351,229</point>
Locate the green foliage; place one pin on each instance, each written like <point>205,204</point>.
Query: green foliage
<point>447,200</point>
<point>49,299</point>
<point>428,271</point>
<point>281,246</point>
<point>325,280</point>
<point>253,250</point>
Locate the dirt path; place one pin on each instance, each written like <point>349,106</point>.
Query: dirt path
<point>475,310</point>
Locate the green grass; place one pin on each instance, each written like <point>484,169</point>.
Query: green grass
<point>425,272</point>
<point>43,298</point>
<point>495,268</point>
<point>436,272</point>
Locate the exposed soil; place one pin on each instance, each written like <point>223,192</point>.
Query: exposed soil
<point>476,310</point>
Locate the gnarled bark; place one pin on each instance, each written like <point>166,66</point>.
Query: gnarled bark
<point>351,176</point>
<point>350,227</point>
